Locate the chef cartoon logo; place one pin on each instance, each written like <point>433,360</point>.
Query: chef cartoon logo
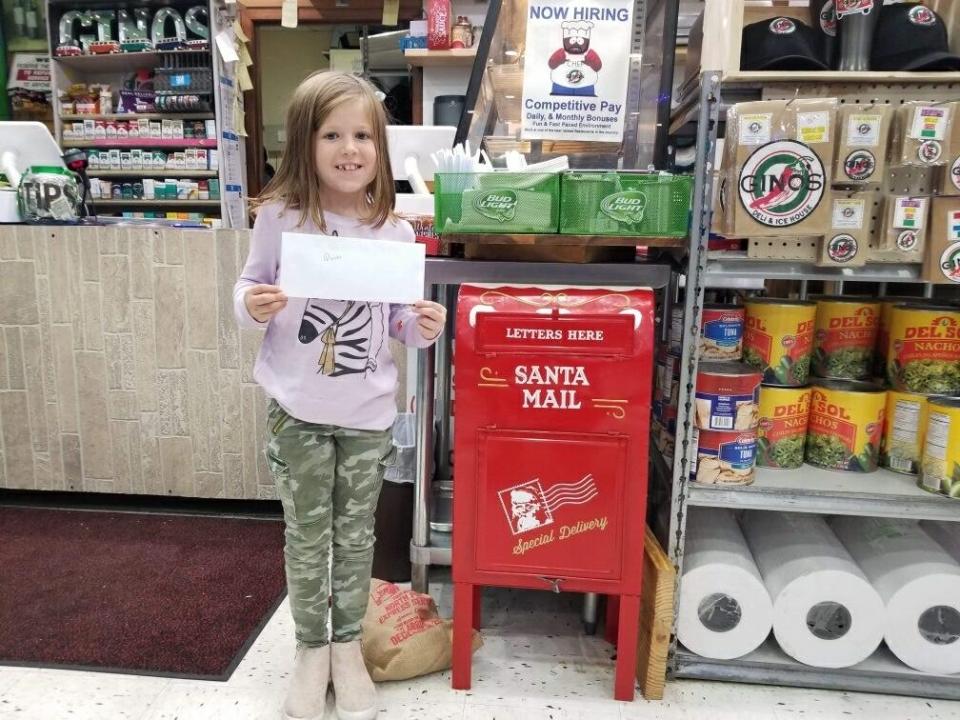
<point>574,67</point>
<point>530,507</point>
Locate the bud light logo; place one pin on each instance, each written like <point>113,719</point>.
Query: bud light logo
<point>499,205</point>
<point>626,207</point>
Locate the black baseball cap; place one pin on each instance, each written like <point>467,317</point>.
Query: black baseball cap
<point>783,43</point>
<point>911,36</point>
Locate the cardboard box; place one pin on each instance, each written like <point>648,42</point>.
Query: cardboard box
<point>922,132</point>
<point>903,225</point>
<point>864,133</point>
<point>941,263</point>
<point>778,163</point>
<point>846,243</point>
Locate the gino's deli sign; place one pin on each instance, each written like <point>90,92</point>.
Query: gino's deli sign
<point>782,183</point>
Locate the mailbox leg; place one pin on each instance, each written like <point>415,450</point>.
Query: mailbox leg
<point>613,619</point>
<point>627,638</point>
<point>463,602</point>
<point>477,606</point>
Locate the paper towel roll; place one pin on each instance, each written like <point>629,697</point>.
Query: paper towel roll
<point>825,612</point>
<point>725,611</point>
<point>918,581</point>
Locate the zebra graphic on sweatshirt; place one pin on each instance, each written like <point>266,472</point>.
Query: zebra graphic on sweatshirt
<point>350,334</point>
<point>347,330</point>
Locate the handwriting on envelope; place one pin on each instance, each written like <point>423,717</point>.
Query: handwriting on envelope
<point>345,268</point>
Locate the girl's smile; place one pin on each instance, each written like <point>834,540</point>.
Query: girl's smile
<point>346,158</point>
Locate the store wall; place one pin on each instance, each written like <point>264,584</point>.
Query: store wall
<point>286,56</point>
<point>121,365</point>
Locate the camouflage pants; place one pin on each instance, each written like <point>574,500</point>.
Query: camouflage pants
<point>328,479</point>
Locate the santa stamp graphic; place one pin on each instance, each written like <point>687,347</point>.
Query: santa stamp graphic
<point>574,67</point>
<point>529,506</point>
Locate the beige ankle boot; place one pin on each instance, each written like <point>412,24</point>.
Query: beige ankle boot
<point>307,696</point>
<point>352,686</point>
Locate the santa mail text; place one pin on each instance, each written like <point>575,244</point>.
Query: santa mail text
<point>565,12</point>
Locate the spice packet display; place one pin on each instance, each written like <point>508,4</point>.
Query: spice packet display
<point>922,133</point>
<point>778,161</point>
<point>864,133</point>
<point>903,225</point>
<point>942,258</point>
<point>846,243</point>
<point>949,181</point>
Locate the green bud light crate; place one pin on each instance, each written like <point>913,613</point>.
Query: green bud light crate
<point>619,203</point>
<point>496,202</point>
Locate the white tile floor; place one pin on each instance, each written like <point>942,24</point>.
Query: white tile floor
<point>535,665</point>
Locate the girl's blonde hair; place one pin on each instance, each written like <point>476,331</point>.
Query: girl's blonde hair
<point>297,184</point>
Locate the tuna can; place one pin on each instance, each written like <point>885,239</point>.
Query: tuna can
<point>903,436</point>
<point>883,331</point>
<point>923,354</point>
<point>724,458</point>
<point>940,471</point>
<point>845,337</point>
<point>846,425</point>
<point>721,332</point>
<point>778,339</point>
<point>727,396</point>
<point>782,432</point>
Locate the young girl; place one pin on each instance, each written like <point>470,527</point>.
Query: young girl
<point>327,368</point>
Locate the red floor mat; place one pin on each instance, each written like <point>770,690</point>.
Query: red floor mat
<point>176,595</point>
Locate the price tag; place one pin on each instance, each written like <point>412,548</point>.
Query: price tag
<point>225,45</point>
<point>391,12</point>
<point>288,14</point>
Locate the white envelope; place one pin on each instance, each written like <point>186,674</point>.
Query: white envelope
<point>345,268</point>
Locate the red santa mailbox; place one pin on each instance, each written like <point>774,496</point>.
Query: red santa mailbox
<point>553,408</point>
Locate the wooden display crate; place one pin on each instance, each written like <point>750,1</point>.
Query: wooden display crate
<point>723,24</point>
<point>556,248</point>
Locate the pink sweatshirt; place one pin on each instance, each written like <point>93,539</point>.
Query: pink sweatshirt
<point>326,361</point>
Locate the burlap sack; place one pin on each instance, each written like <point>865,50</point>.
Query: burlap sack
<point>403,635</point>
